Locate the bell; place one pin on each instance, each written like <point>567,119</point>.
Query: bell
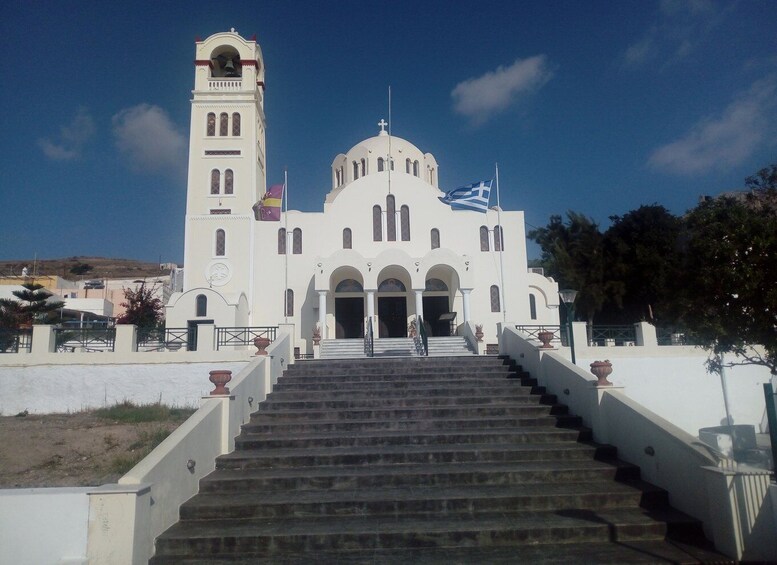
<point>229,69</point>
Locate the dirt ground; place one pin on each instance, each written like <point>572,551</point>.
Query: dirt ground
<point>82,449</point>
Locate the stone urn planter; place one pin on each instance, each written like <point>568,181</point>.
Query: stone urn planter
<point>479,332</point>
<point>261,344</point>
<point>220,378</point>
<point>601,370</point>
<point>545,337</point>
<point>316,335</point>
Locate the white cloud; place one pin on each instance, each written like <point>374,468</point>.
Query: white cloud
<point>72,138</point>
<point>719,142</point>
<point>148,139</point>
<point>483,97</point>
<point>679,28</point>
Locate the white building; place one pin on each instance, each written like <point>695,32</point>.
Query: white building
<point>385,248</point>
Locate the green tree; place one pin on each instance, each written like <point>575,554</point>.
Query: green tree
<point>728,299</point>
<point>642,249</point>
<point>573,253</point>
<point>35,304</point>
<point>80,268</point>
<point>143,308</point>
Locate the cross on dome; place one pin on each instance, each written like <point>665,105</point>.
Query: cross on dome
<point>382,123</point>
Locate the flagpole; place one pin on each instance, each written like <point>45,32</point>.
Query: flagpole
<point>390,159</point>
<point>286,244</point>
<point>501,247</point>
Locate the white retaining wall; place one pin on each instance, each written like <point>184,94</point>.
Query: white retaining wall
<point>47,389</point>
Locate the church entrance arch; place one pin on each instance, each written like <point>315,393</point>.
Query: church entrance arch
<point>441,281</point>
<point>349,309</point>
<point>392,306</point>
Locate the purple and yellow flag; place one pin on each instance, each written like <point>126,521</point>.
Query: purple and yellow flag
<point>269,207</point>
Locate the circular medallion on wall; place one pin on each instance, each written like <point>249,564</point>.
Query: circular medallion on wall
<point>218,272</point>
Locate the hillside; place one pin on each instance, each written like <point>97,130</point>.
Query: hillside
<point>102,267</point>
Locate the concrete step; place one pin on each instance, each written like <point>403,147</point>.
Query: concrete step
<point>525,435</point>
<point>415,475</point>
<point>280,537</point>
<point>443,501</point>
<point>635,551</point>
<point>274,403</point>
<point>410,454</point>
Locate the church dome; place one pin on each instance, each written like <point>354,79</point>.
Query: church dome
<point>376,154</point>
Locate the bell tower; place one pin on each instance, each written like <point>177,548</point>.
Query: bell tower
<point>227,166</point>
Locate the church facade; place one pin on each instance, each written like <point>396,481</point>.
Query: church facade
<point>384,250</point>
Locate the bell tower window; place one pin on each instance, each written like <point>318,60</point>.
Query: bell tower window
<point>229,181</point>
<point>211,129</point>
<point>215,181</point>
<point>236,124</point>
<point>484,238</point>
<point>296,242</point>
<point>224,124</point>
<point>221,243</point>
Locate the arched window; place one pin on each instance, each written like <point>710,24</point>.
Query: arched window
<point>377,223</point>
<point>381,164</point>
<point>431,177</point>
<point>392,285</point>
<point>495,303</point>
<point>404,222</point>
<point>415,168</point>
<point>236,124</point>
<point>211,129</point>
<point>224,124</point>
<point>221,243</point>
<point>484,238</point>
<point>282,241</point>
<point>347,239</point>
<point>364,167</point>
<point>435,238</point>
<point>355,170</point>
<point>289,299</point>
<point>407,166</point>
<point>296,244</point>
<point>338,177</point>
<point>391,163</point>
<point>532,307</point>
<point>201,305</point>
<point>498,238</point>
<point>215,181</point>
<point>349,285</point>
<point>391,218</point>
<point>229,178</point>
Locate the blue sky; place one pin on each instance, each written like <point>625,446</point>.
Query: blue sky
<point>596,107</point>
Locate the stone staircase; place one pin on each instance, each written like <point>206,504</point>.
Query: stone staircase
<point>393,347</point>
<point>430,460</point>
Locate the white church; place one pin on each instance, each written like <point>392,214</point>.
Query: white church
<point>384,250</point>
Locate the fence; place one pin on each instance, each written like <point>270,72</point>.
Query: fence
<point>69,340</point>
<point>612,335</point>
<point>13,341</point>
<point>560,334</point>
<point>673,336</point>
<point>234,337</point>
<point>161,339</point>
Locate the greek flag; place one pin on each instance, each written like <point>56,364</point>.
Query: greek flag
<point>471,197</point>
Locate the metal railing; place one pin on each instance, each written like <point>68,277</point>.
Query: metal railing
<point>612,335</point>
<point>673,336</point>
<point>234,337</point>
<point>559,333</point>
<point>163,339</point>
<point>424,337</point>
<point>90,340</point>
<point>13,341</point>
<point>369,349</point>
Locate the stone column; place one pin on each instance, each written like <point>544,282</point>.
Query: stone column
<point>465,298</point>
<point>419,303</point>
<point>371,308</point>
<point>322,312</point>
